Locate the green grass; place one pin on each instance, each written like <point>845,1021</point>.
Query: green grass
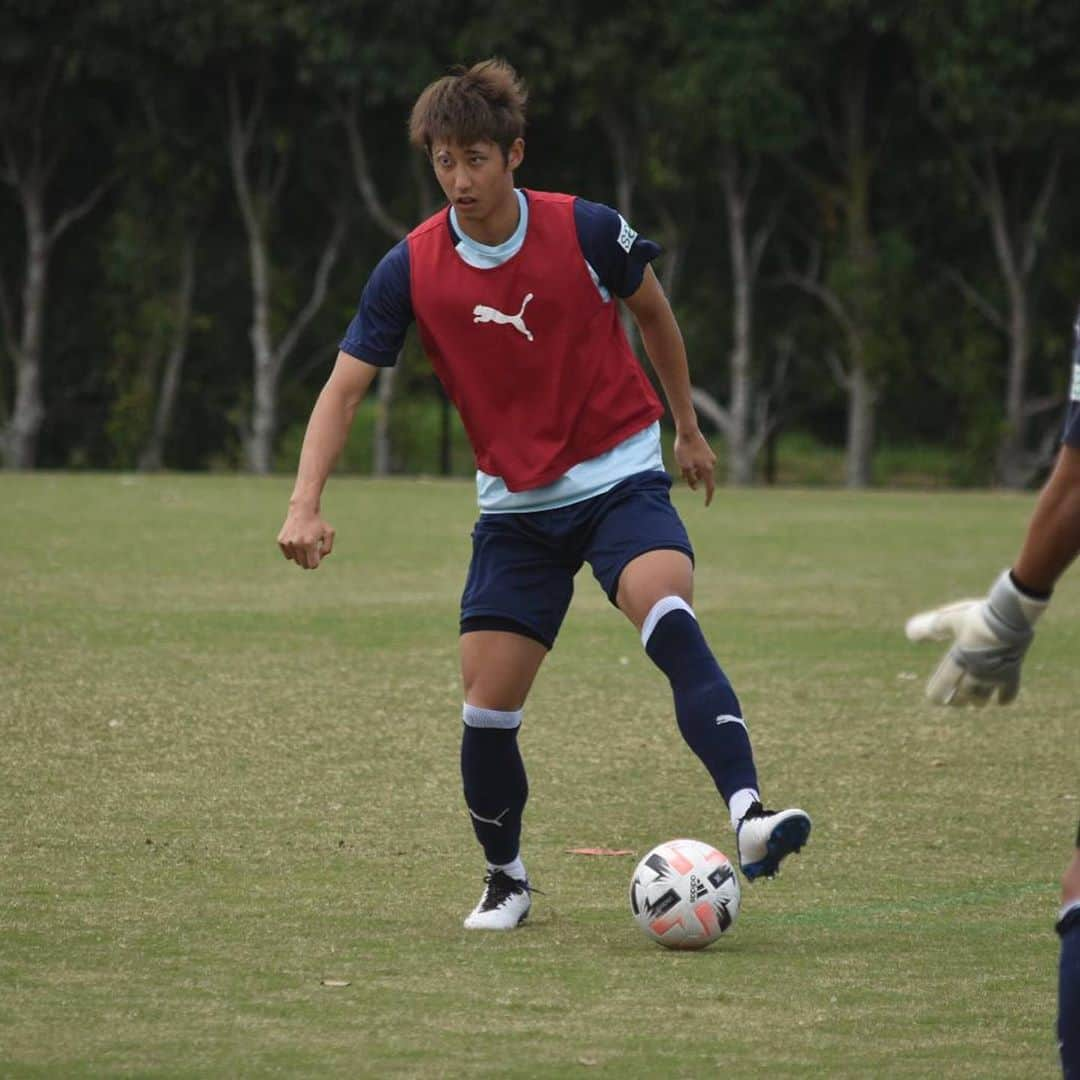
<point>224,780</point>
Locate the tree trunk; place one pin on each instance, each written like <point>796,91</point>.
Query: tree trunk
<point>28,413</point>
<point>256,207</point>
<point>862,407</point>
<point>382,440</point>
<point>266,369</point>
<point>1016,251</point>
<point>862,251</point>
<point>740,455</point>
<point>153,453</point>
<point>1012,467</point>
<point>383,456</point>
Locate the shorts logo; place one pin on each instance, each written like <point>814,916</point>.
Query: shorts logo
<point>627,236</point>
<point>482,314</point>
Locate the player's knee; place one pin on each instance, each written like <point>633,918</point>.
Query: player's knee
<point>1070,880</point>
<point>651,578</point>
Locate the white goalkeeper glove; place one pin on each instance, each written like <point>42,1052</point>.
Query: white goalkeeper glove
<point>991,637</point>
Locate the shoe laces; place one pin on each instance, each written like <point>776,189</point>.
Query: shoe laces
<point>500,886</point>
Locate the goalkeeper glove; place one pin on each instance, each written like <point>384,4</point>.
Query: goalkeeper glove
<point>991,637</point>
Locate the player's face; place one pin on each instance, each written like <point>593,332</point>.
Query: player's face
<point>476,178</point>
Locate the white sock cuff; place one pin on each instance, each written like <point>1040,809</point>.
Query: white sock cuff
<point>1067,907</point>
<point>659,610</point>
<point>740,802</point>
<point>515,869</point>
<point>490,718</point>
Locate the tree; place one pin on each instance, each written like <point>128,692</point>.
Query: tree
<point>736,114</point>
<point>854,85</point>
<point>1001,85</point>
<point>356,56</point>
<point>261,143</point>
<point>171,160</point>
<point>48,120</point>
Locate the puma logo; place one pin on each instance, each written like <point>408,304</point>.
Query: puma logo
<point>482,313</point>
<point>727,718</point>
<point>497,820</point>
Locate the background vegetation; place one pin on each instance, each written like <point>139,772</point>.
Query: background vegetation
<point>868,237</point>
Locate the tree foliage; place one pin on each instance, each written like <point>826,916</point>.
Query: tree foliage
<point>862,206</point>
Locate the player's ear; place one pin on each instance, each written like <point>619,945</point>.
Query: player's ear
<point>516,154</point>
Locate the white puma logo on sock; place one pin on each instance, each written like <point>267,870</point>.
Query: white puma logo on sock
<point>482,313</point>
<point>496,821</point>
<point>727,718</point>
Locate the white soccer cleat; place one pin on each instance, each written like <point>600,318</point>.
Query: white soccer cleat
<point>504,905</point>
<point>765,837</point>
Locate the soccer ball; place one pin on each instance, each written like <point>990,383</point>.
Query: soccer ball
<point>684,894</point>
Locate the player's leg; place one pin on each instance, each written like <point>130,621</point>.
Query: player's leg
<point>643,559</point>
<point>655,590</point>
<point>513,606</point>
<point>1069,969</point>
<point>497,669</point>
<point>655,593</point>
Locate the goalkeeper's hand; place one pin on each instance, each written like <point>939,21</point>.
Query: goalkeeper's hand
<point>991,637</point>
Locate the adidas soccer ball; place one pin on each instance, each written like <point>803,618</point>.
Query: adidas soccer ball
<point>684,894</point>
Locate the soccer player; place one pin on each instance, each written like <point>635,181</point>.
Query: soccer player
<point>1068,926</point>
<point>515,294</point>
<point>991,637</point>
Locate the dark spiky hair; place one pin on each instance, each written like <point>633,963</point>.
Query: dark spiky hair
<point>485,102</point>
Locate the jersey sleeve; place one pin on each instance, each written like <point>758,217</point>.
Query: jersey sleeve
<point>614,250</point>
<point>377,331</point>
<point>1072,419</point>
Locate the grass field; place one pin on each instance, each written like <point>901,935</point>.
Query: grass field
<point>224,780</point>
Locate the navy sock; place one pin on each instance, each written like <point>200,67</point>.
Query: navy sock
<point>496,787</point>
<point>1069,1002</point>
<point>706,707</point>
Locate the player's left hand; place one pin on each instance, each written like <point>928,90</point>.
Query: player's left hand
<point>991,637</point>
<point>696,461</point>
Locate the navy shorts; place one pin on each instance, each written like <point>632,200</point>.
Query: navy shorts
<point>521,577</point>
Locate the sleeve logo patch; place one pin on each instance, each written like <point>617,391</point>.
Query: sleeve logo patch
<point>627,236</point>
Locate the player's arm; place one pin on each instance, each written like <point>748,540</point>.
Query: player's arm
<point>663,342</point>
<point>376,333</point>
<point>305,537</point>
<point>992,635</point>
<point>1053,535</point>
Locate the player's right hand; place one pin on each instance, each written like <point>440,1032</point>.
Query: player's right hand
<point>306,539</point>
<point>990,638</point>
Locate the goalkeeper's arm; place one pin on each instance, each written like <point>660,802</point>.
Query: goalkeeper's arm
<point>1053,535</point>
<point>992,635</point>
